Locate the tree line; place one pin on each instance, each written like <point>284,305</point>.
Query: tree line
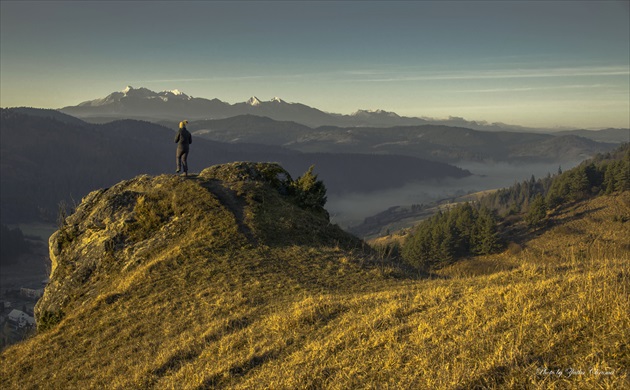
<point>603,174</point>
<point>462,231</point>
<point>473,229</point>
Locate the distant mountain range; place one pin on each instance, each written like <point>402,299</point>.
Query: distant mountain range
<point>144,104</point>
<point>605,135</point>
<point>48,156</point>
<point>439,143</point>
<point>303,128</point>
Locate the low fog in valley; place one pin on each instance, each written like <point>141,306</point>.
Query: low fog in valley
<point>350,209</point>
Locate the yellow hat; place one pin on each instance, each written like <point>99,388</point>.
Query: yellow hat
<point>183,124</point>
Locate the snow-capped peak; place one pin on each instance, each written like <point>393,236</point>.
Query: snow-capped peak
<point>374,113</point>
<point>277,100</point>
<point>137,92</point>
<point>175,93</point>
<point>253,101</point>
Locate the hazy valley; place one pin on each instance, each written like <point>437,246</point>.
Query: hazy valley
<point>366,159</point>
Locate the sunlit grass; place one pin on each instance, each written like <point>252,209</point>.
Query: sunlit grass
<point>552,316</point>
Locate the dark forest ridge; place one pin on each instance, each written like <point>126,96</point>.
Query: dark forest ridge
<point>48,156</point>
<point>436,142</point>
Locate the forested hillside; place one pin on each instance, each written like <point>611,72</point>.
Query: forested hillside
<point>486,226</point>
<point>603,174</point>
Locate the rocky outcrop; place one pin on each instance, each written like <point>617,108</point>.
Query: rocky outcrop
<point>117,233</point>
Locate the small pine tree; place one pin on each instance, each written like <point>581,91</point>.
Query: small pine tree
<point>537,214</point>
<point>310,192</point>
<point>580,185</point>
<point>622,176</point>
<point>487,236</point>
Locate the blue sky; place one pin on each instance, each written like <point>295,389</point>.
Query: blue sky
<point>529,63</point>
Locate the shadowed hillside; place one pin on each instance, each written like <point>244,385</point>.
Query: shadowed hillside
<point>47,157</point>
<point>228,280</point>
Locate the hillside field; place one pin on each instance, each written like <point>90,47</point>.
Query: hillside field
<point>551,313</point>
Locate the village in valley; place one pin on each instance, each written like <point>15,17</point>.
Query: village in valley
<point>16,314</point>
<point>21,286</point>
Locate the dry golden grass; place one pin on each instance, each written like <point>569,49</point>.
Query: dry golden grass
<point>554,316</point>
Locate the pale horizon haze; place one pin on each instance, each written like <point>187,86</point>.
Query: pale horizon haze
<point>529,63</point>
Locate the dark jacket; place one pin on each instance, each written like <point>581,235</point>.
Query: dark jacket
<point>183,139</point>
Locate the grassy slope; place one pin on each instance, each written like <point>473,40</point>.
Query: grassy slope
<point>298,316</point>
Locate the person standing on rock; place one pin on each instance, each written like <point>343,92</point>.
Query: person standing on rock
<point>183,140</point>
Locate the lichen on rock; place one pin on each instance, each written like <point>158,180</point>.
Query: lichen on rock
<point>122,231</point>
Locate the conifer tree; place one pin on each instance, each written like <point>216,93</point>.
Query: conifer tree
<point>622,176</point>
<point>579,186</point>
<point>537,214</point>
<point>310,192</point>
<point>487,234</point>
<point>609,184</point>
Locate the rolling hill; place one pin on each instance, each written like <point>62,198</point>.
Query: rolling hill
<point>604,135</point>
<point>440,143</point>
<point>223,281</point>
<point>250,129</point>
